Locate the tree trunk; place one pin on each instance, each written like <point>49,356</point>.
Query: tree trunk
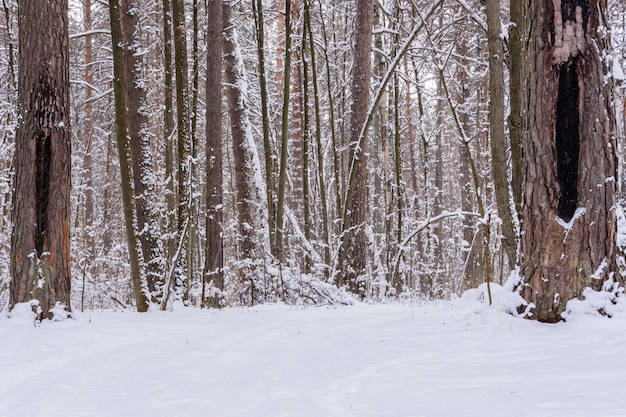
<point>355,244</point>
<point>214,262</point>
<point>144,182</point>
<point>40,244</point>
<point>517,35</point>
<point>247,196</point>
<point>569,221</point>
<point>168,129</point>
<point>497,139</point>
<point>184,146</point>
<point>257,7</point>
<point>138,278</point>
<point>282,176</point>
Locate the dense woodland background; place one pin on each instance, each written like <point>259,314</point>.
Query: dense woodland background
<point>432,224</point>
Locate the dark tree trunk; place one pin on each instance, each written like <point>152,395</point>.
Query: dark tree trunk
<point>214,263</point>
<point>138,277</point>
<point>184,146</point>
<point>569,227</point>
<point>355,244</point>
<point>40,245</point>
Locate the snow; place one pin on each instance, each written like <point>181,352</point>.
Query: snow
<point>455,358</point>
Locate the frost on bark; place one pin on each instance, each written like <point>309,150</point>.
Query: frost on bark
<point>135,255</point>
<point>569,228</point>
<point>146,208</point>
<point>184,146</point>
<point>246,191</point>
<point>40,244</point>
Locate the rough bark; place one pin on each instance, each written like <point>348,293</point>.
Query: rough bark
<point>355,244</point>
<point>569,226</point>
<point>184,145</point>
<point>214,263</point>
<point>40,244</point>
<point>247,198</point>
<point>135,255</point>
<point>517,42</point>
<point>146,209</point>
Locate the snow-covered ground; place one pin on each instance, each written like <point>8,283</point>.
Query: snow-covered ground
<point>434,359</point>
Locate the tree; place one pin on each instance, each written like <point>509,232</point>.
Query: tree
<point>497,138</point>
<point>144,182</point>
<point>353,257</point>
<point>184,147</point>
<point>246,191</point>
<point>40,245</point>
<point>138,277</point>
<point>214,263</point>
<point>569,222</point>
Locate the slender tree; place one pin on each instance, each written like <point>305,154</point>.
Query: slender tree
<point>135,255</point>
<point>184,147</point>
<point>282,176</point>
<point>40,245</point>
<point>496,132</point>
<point>144,182</point>
<point>214,262</point>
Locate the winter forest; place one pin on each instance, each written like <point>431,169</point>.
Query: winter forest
<point>235,153</point>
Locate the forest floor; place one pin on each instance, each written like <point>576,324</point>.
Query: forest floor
<point>454,359</point>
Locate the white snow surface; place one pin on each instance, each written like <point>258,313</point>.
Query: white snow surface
<point>455,359</point>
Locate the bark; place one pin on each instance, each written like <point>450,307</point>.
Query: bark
<point>517,35</point>
<point>282,176</point>
<point>135,255</point>
<point>40,244</point>
<point>168,129</point>
<point>257,7</point>
<point>214,263</point>
<point>144,182</point>
<point>355,243</point>
<point>184,145</point>
<point>247,198</point>
<point>496,132</point>
<point>569,226</point>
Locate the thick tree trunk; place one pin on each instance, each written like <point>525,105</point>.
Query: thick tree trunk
<point>569,226</point>
<point>355,244</point>
<point>40,245</point>
<point>247,195</point>
<point>214,262</point>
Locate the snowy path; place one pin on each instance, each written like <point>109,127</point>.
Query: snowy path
<point>271,361</point>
